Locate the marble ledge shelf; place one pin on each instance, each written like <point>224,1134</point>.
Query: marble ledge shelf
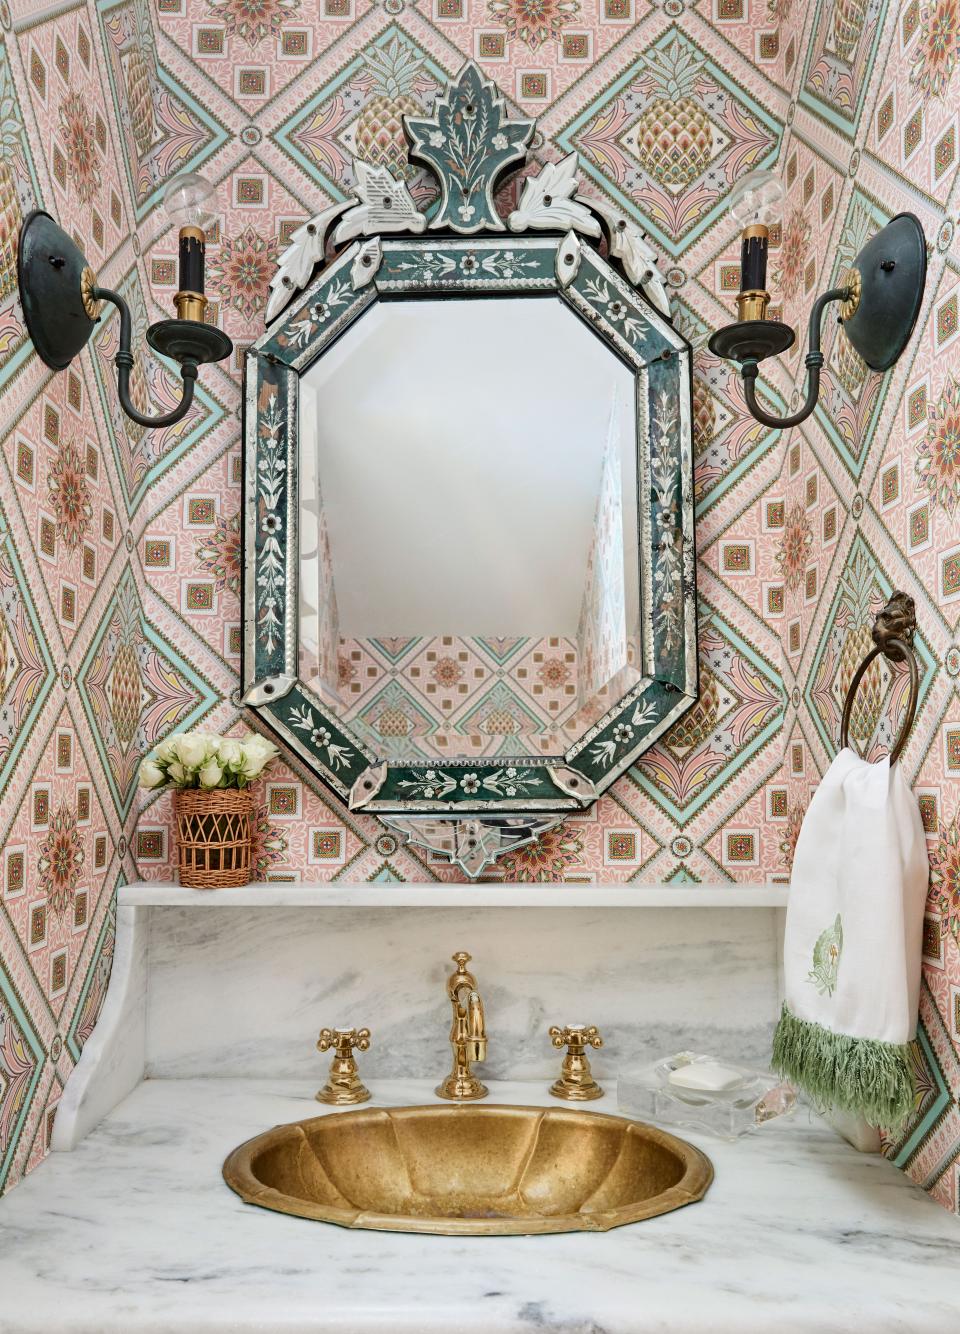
<point>289,894</point>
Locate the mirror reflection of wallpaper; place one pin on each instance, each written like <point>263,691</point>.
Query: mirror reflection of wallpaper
<point>444,695</point>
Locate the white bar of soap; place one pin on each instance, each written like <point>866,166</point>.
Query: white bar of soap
<point>706,1076</point>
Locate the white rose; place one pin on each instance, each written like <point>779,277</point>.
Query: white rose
<point>177,773</point>
<point>191,749</point>
<point>151,775</point>
<point>254,765</point>
<point>165,751</point>
<point>255,744</point>
<point>210,774</point>
<point>230,752</point>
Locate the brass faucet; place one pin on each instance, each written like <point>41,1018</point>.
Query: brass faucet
<point>468,1034</point>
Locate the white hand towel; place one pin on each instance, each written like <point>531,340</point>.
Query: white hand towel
<point>851,955</point>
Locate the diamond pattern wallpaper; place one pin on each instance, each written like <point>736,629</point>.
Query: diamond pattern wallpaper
<point>119,553</point>
<point>68,731</point>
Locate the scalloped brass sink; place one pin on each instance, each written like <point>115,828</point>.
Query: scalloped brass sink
<point>469,1169</point>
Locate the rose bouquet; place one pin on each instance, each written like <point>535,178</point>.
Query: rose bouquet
<point>205,760</point>
<point>212,803</point>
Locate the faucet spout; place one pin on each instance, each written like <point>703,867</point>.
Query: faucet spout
<point>468,1034</point>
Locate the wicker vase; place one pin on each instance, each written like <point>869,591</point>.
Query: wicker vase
<point>214,835</point>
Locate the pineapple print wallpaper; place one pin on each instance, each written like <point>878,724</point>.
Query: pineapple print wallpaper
<point>119,550</point>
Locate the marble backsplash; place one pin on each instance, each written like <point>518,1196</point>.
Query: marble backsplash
<point>244,992</point>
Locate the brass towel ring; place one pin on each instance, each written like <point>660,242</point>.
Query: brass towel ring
<point>893,637</point>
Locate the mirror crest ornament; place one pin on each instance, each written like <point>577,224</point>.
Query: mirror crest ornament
<point>470,809</point>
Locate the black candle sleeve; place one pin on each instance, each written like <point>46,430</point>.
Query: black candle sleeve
<point>753,263</point>
<point>191,264</point>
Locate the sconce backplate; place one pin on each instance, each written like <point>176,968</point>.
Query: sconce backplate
<point>50,273</point>
<point>893,271</point>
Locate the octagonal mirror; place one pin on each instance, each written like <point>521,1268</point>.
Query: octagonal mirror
<point>469,600</point>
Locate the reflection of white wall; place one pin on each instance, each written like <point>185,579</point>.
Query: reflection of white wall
<point>602,632</point>
<point>319,619</point>
<point>460,448</point>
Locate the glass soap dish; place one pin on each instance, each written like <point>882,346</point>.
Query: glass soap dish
<point>744,1100</point>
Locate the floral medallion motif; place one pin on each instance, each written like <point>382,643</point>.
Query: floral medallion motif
<point>447,672</point>
<point>253,20</point>
<point>534,21</point>
<point>61,860</point>
<point>548,858</point>
<point>793,254</point>
<point>794,550</point>
<point>218,553</point>
<point>938,455</point>
<point>79,136</point>
<point>242,269</point>
<point>269,843</point>
<point>554,673</point>
<point>938,47</point>
<point>945,876</point>
<point>70,494</point>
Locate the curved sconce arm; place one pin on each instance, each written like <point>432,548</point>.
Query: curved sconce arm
<point>61,302</point>
<point>882,293</point>
<point>124,361</point>
<point>813,362</point>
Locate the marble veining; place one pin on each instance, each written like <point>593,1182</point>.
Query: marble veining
<point>135,1231</point>
<point>240,991</point>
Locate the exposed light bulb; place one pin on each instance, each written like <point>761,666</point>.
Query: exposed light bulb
<point>755,202</point>
<point>757,198</point>
<point>188,199</point>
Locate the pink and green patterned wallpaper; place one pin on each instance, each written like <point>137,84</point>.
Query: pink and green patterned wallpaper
<point>76,654</point>
<point>799,537</point>
<point>871,482</point>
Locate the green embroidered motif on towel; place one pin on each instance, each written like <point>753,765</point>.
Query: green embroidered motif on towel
<point>826,959</point>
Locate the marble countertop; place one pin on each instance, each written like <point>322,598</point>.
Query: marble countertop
<point>298,894</point>
<point>136,1231</point>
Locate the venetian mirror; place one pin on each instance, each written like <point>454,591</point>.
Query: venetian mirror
<point>468,519</point>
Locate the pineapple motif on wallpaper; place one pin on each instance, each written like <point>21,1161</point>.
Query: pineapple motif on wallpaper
<point>11,212</point>
<point>849,18</point>
<point>674,138</point>
<point>704,415</point>
<point>859,600</point>
<point>393,71</point>
<point>139,74</point>
<point>699,723</point>
<point>850,367</point>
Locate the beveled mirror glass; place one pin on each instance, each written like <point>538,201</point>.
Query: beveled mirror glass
<point>468,521</point>
<point>508,614</point>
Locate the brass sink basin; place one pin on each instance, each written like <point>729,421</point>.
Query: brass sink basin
<point>469,1169</point>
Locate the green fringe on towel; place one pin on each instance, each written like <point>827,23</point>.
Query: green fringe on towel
<point>858,1074</point>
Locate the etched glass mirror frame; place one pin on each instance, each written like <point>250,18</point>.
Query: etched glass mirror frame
<point>470,810</point>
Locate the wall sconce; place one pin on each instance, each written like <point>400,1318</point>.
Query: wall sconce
<point>879,299</point>
<point>62,301</point>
